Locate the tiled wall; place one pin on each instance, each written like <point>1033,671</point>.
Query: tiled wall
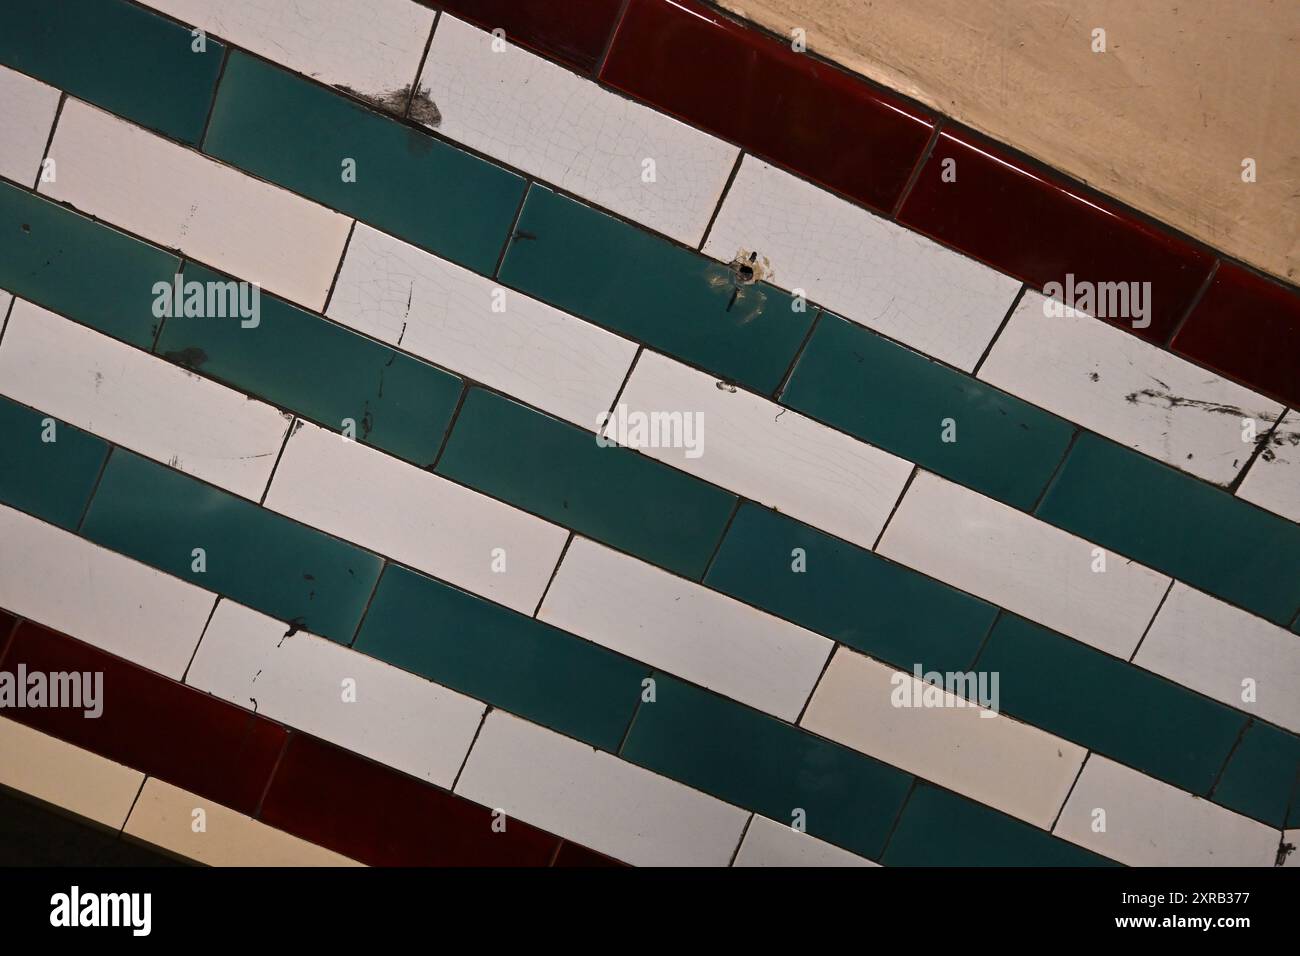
<point>364,583</point>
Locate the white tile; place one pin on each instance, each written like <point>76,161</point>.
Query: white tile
<point>66,776</point>
<point>415,517</point>
<point>6,299</point>
<point>684,628</point>
<point>1023,564</point>
<point>335,693</point>
<point>460,320</point>
<point>95,595</point>
<point>182,200</point>
<point>1115,384</point>
<point>1214,648</point>
<point>876,710</point>
<point>566,130</point>
<point>767,453</point>
<point>27,109</point>
<point>871,271</point>
<point>768,843</point>
<point>1149,823</point>
<point>141,402</point>
<point>596,799</point>
<point>1273,481</point>
<point>369,47</point>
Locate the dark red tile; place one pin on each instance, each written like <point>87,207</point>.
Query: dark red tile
<point>378,816</point>
<point>1248,328</point>
<point>1039,227</point>
<point>572,855</point>
<point>7,622</point>
<point>574,31</point>
<point>729,79</point>
<point>151,723</point>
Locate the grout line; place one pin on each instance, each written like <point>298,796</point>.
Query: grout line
<point>294,424</point>
<point>988,636</point>
<point>4,323</point>
<point>1147,630</point>
<point>735,510</point>
<point>1261,444</point>
<point>741,842</point>
<point>902,808</point>
<point>384,564</point>
<point>1015,303</point>
<point>121,831</point>
<point>94,489</point>
<point>1056,473</point>
<point>554,572</point>
<point>216,90</point>
<point>722,197</point>
<point>510,233</point>
<point>446,435</point>
<point>623,385</point>
<point>798,353</point>
<point>826,665</point>
<point>875,547</point>
<point>338,271</point>
<point>636,712</point>
<point>419,67</point>
<point>487,709</point>
<point>609,42</point>
<point>916,170</point>
<point>202,634</point>
<point>275,768</point>
<point>1060,810</point>
<point>1168,343</point>
<point>49,142</point>
<point>162,320</point>
<point>1218,777</point>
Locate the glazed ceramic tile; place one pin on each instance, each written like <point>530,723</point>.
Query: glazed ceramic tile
<point>47,467</point>
<point>865,268</point>
<point>684,628</point>
<point>943,737</point>
<point>567,131</point>
<point>1148,823</point>
<point>776,844</point>
<point>370,48</point>
<point>117,55</point>
<point>167,817</point>
<point>179,199</point>
<point>1260,777</point>
<point>68,777</point>
<point>67,583</point>
<point>1227,654</point>
<point>334,693</point>
<point>1022,564</point>
<point>1273,479</point>
<point>578,37</point>
<point>133,399</point>
<point>469,324</point>
<point>284,128</point>
<point>763,452</point>
<point>595,798</point>
<point>27,109</point>
<point>1128,390</point>
<point>788,107</point>
<point>411,516</point>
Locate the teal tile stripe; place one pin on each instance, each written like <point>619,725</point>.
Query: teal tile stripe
<point>116,55</point>
<point>613,495</point>
<point>496,655</point>
<point>763,764</point>
<point>47,467</point>
<point>81,268</point>
<point>1108,705</point>
<point>847,593</point>
<point>254,556</point>
<point>1174,523</point>
<point>320,370</point>
<point>630,281</point>
<point>899,400</point>
<point>940,828</point>
<point>1262,778</point>
<point>282,127</point>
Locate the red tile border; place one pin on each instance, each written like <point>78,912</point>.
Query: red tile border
<point>1248,328</point>
<point>574,32</point>
<point>806,115</point>
<point>293,782</point>
<point>1040,228</point>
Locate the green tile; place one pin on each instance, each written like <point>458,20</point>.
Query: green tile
<point>638,284</point>
<point>614,495</point>
<point>80,268</point>
<point>940,828</point>
<point>49,479</point>
<point>1108,705</point>
<point>1175,523</point>
<point>291,131</point>
<point>899,400</point>
<point>511,661</point>
<point>847,593</point>
<point>763,764</point>
<point>116,55</point>
<point>322,371</point>
<point>1262,778</point>
<point>287,570</point>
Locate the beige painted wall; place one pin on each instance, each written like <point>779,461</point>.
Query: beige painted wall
<point>1163,119</point>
